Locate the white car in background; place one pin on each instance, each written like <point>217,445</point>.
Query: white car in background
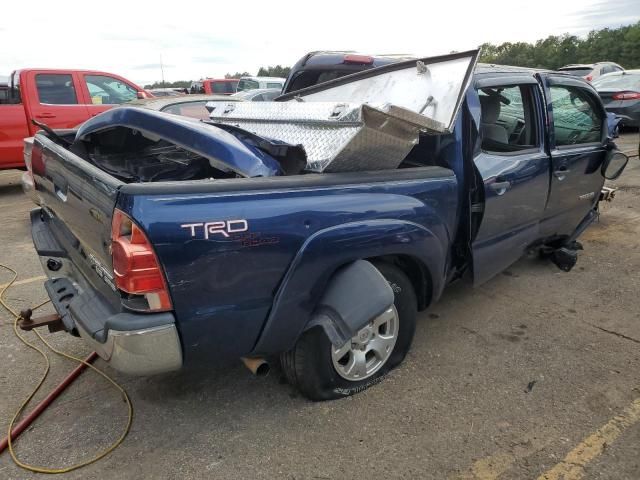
<point>253,83</point>
<point>591,71</point>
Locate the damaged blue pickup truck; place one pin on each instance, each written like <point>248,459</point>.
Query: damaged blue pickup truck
<point>314,227</point>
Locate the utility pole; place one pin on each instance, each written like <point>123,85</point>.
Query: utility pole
<point>162,69</point>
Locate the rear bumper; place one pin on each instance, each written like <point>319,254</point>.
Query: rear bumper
<point>133,343</point>
<point>139,352</point>
<point>26,181</point>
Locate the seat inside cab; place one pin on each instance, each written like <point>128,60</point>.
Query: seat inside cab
<point>507,119</point>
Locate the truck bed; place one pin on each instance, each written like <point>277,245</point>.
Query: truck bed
<point>247,286</point>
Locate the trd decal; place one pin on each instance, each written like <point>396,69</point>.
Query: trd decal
<point>218,229</point>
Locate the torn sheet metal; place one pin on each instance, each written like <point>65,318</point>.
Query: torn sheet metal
<point>223,150</point>
<point>366,121</point>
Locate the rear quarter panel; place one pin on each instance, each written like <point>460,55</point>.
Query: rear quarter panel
<point>223,288</point>
<point>13,129</point>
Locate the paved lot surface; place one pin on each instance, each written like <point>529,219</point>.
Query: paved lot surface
<point>534,375</point>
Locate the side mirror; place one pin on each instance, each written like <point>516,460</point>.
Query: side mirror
<point>614,164</point>
<point>142,95</point>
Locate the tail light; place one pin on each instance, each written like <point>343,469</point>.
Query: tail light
<point>35,162</point>
<point>135,265</point>
<point>626,96</point>
<point>358,59</point>
<point>588,78</point>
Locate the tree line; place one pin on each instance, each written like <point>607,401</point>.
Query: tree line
<point>273,71</point>
<point>620,45</point>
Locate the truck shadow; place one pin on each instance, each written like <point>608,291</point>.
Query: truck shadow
<point>227,403</point>
<point>213,386</point>
<point>14,189</point>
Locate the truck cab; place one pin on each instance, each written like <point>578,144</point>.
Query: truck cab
<point>512,107</point>
<point>547,131</point>
<point>57,98</point>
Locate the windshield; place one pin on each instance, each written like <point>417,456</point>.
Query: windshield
<point>105,90</point>
<point>247,84</point>
<point>578,72</point>
<point>309,78</point>
<point>618,82</point>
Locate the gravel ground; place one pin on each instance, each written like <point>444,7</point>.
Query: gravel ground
<point>503,381</point>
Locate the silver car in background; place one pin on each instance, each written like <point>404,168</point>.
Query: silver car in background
<point>258,95</point>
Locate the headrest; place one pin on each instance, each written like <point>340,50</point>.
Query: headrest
<point>490,108</point>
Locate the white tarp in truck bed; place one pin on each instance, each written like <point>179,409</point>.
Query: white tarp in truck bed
<point>365,121</point>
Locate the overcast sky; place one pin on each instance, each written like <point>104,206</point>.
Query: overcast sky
<point>200,39</point>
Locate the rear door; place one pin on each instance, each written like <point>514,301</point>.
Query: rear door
<point>55,98</point>
<point>514,167</point>
<point>102,91</point>
<point>577,136</point>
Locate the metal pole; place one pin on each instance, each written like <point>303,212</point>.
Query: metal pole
<point>45,402</point>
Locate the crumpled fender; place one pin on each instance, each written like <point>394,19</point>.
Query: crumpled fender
<point>221,148</point>
<point>356,294</point>
<point>307,277</point>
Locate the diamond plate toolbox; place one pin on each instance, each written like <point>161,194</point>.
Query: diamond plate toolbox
<point>336,136</point>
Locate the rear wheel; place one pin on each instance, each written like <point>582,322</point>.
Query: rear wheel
<point>323,372</point>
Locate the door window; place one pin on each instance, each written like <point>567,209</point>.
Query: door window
<point>56,89</point>
<point>507,119</point>
<point>607,69</point>
<point>105,90</point>
<point>576,118</point>
<point>247,84</point>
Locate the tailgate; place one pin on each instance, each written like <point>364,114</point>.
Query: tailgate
<point>78,201</point>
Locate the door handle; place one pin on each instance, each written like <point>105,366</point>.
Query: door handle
<point>500,187</point>
<point>46,115</point>
<point>561,173</point>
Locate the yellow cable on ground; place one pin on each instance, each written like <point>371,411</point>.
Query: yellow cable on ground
<point>102,454</point>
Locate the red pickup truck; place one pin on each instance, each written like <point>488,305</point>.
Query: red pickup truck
<point>217,86</point>
<point>59,98</point>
